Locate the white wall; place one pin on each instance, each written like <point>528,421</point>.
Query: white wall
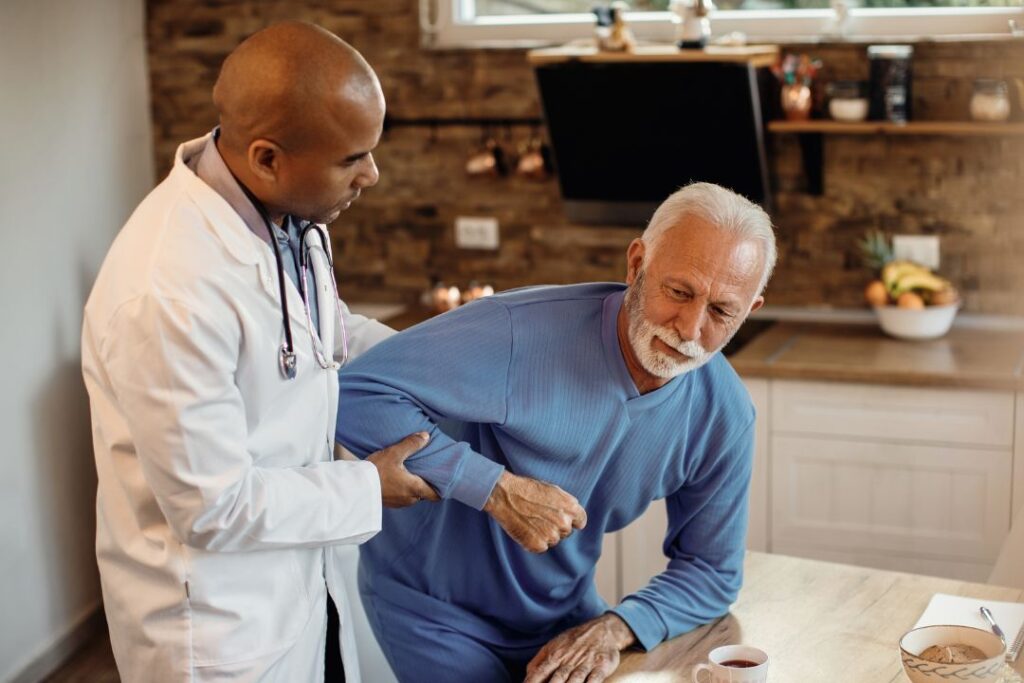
<point>75,157</point>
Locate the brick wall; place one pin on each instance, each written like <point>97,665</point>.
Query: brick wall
<point>399,234</point>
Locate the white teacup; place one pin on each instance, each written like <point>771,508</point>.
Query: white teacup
<point>724,665</point>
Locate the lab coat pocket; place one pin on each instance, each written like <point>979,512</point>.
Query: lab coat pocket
<point>245,605</point>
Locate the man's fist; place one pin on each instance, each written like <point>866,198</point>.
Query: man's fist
<point>399,487</point>
<point>537,515</point>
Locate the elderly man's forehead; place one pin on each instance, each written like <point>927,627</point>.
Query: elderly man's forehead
<point>703,246</point>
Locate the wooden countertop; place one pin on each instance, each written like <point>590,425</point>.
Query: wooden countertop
<point>819,623</point>
<point>966,358</point>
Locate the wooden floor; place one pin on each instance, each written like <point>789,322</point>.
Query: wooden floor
<point>94,663</point>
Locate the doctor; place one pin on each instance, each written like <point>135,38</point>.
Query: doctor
<point>210,350</point>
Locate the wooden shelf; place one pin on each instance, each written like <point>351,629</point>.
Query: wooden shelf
<point>757,55</point>
<point>812,133</point>
<point>965,128</point>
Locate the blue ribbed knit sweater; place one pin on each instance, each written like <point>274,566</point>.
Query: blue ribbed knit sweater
<point>534,381</point>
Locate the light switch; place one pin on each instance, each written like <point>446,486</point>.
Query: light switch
<point>922,249</point>
<point>476,232</point>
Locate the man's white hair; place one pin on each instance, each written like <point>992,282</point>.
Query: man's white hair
<point>731,213</point>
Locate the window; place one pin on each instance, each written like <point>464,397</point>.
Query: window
<point>517,23</point>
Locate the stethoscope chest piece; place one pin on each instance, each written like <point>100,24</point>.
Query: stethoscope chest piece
<point>288,362</point>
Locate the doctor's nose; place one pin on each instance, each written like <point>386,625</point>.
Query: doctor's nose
<point>368,175</point>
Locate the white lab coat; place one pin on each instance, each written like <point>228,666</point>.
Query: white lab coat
<point>217,491</point>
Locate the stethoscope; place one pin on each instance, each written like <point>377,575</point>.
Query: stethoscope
<point>287,359</point>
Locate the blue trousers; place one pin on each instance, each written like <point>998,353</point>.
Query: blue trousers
<point>422,649</point>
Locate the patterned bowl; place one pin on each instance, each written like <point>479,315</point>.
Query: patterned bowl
<point>919,670</point>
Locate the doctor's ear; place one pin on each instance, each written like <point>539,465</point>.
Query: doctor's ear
<point>265,159</point>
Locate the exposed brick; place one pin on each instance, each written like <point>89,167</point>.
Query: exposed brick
<point>399,235</point>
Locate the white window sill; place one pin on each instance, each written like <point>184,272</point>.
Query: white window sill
<point>790,26</point>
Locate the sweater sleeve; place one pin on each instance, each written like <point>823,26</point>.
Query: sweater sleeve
<point>707,528</point>
<point>452,367</point>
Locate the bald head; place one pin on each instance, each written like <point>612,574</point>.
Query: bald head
<point>292,83</point>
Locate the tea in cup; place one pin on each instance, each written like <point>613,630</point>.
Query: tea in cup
<point>734,664</point>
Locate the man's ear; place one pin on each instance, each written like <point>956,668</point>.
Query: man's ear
<point>265,160</point>
<point>634,259</point>
<point>758,303</point>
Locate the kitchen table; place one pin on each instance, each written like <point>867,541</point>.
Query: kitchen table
<point>819,623</point>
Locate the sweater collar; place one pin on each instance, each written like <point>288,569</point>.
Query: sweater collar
<point>635,401</point>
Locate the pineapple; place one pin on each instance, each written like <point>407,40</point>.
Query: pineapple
<point>875,250</point>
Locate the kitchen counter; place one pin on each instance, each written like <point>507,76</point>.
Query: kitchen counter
<point>965,358</point>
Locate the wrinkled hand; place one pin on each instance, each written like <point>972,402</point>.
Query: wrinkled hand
<point>535,514</point>
<point>589,652</point>
<point>399,487</point>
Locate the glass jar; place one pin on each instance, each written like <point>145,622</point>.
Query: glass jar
<point>990,101</point>
<point>891,80</point>
<point>848,100</point>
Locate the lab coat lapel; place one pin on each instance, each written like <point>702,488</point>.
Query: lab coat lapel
<point>235,234</point>
<point>269,281</point>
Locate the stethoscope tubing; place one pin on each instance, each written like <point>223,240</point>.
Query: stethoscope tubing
<point>287,358</point>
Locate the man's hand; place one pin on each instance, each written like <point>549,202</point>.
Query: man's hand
<point>400,488</point>
<point>537,515</point>
<point>589,652</point>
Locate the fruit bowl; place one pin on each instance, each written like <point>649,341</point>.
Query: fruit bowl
<point>930,322</point>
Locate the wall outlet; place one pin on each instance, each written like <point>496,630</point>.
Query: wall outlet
<point>476,232</point>
<point>922,249</point>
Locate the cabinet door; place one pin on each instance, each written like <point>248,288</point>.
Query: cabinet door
<point>640,551</point>
<point>1018,458</point>
<point>890,498</point>
<point>758,526</point>
<point>944,416</point>
<point>606,577</point>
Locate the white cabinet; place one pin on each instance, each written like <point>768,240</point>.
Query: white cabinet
<point>889,498</point>
<point>758,529</point>
<point>881,413</point>
<point>913,479</point>
<point>1018,457</point>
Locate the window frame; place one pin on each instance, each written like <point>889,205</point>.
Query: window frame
<point>449,24</point>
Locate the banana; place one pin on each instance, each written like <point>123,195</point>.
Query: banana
<point>919,281</point>
<point>895,271</point>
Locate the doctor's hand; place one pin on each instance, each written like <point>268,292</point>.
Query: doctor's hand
<point>589,652</point>
<point>535,514</point>
<point>399,487</point>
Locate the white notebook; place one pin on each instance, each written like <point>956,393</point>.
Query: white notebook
<point>957,610</point>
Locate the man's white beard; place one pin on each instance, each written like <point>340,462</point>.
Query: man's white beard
<point>642,333</point>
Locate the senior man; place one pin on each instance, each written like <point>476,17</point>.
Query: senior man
<point>617,395</point>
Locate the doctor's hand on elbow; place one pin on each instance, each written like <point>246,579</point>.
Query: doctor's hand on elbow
<point>399,487</point>
<point>535,514</point>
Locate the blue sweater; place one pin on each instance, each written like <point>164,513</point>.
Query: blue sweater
<point>534,381</point>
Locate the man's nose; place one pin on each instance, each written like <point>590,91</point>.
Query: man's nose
<point>368,175</point>
<point>689,321</point>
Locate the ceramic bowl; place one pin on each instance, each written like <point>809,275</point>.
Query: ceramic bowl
<point>929,322</point>
<point>919,670</point>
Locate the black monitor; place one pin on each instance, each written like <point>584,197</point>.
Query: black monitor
<point>625,135</point>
